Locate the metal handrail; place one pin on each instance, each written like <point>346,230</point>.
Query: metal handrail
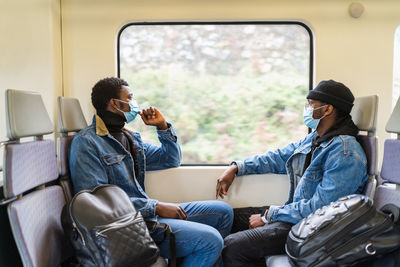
<point>7,142</point>
<point>7,200</point>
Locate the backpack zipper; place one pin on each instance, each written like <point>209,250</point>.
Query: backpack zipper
<point>129,219</point>
<point>74,223</point>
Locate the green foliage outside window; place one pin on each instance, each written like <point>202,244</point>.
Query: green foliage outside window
<point>224,107</point>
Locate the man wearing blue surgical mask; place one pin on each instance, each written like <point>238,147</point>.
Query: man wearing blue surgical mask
<point>326,165</point>
<point>106,153</point>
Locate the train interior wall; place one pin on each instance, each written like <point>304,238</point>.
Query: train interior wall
<point>62,47</point>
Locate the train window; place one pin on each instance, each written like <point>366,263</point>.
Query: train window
<point>229,89</point>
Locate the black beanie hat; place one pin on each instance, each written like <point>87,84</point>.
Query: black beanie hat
<point>334,93</point>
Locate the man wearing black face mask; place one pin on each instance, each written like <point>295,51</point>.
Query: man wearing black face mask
<point>106,153</point>
<point>326,165</point>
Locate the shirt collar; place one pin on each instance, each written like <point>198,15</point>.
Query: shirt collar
<point>101,128</point>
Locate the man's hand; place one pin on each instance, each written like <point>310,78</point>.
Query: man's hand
<point>170,210</point>
<point>255,221</point>
<point>152,116</point>
<point>225,181</point>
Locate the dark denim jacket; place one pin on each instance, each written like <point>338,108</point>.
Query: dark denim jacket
<point>96,157</point>
<point>338,168</point>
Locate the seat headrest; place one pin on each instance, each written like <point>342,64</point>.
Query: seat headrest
<point>393,125</point>
<point>364,113</point>
<point>26,115</point>
<point>70,115</point>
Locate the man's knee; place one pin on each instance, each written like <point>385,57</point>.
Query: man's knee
<point>232,246</point>
<point>228,211</point>
<point>226,207</point>
<point>205,248</point>
<point>213,239</point>
<point>239,250</point>
<point>222,207</point>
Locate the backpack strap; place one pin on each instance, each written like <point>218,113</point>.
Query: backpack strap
<point>167,231</point>
<point>392,211</point>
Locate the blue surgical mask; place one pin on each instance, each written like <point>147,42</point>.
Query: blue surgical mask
<point>309,121</point>
<point>132,113</point>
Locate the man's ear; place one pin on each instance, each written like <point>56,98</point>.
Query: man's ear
<point>113,105</point>
<point>329,110</point>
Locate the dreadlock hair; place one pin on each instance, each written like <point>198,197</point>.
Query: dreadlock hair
<point>106,89</point>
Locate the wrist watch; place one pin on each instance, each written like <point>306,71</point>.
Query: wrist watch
<point>263,217</point>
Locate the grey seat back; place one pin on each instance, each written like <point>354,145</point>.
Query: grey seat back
<point>22,122</point>
<point>389,191</point>
<point>70,115</point>
<point>35,215</point>
<point>70,119</point>
<point>364,114</point>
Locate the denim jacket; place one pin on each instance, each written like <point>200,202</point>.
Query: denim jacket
<point>338,168</point>
<point>96,157</point>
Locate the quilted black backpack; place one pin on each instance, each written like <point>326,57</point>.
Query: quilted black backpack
<point>344,233</point>
<point>106,230</point>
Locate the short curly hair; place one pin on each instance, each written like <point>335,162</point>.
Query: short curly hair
<point>106,89</point>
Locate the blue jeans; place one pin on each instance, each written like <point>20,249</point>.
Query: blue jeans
<point>200,238</point>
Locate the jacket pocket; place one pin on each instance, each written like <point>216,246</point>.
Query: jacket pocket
<point>116,168</point>
<point>310,181</point>
<point>115,158</point>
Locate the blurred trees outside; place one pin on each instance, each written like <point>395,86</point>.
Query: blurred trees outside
<point>230,91</point>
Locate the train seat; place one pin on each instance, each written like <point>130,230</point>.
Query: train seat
<point>389,191</point>
<point>70,120</point>
<point>30,170</point>
<point>364,114</point>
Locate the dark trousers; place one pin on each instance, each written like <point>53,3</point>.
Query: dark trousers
<point>248,247</point>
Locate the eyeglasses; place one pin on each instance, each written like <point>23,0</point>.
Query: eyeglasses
<point>310,106</point>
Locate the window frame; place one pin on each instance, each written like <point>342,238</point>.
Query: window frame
<point>247,22</point>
